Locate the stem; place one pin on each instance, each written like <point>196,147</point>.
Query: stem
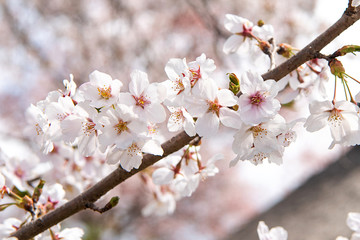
<point>334,99</point>
<point>343,81</point>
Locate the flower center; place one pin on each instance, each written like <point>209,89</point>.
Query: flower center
<point>247,32</point>
<point>195,76</point>
<point>258,131</point>
<point>121,126</point>
<point>178,86</point>
<point>256,99</point>
<point>335,117</point>
<point>19,172</point>
<point>88,127</point>
<point>141,101</point>
<point>105,92</point>
<point>214,106</point>
<point>133,150</point>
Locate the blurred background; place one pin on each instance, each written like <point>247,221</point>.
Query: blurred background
<point>43,42</point>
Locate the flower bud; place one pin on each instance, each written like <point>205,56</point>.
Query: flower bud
<point>260,23</point>
<point>234,84</point>
<point>285,50</point>
<point>37,191</point>
<point>336,68</point>
<point>347,49</point>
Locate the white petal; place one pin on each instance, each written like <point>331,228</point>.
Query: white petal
<point>153,147</point>
<point>139,82</point>
<point>232,44</point>
<point>155,113</point>
<point>162,176</point>
<point>262,230</point>
<point>226,98</point>
<point>353,221</point>
<point>207,125</point>
<point>230,118</point>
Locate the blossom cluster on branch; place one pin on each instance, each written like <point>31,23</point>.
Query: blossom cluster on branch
<point>85,131</point>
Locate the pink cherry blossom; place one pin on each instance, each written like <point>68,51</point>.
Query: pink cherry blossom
<point>257,102</point>
<point>145,98</point>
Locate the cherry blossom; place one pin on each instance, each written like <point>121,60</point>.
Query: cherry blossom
<point>211,108</point>
<point>162,203</point>
<point>9,226</point>
<point>181,119</point>
<point>81,127</point>
<point>145,98</point>
<point>131,157</point>
<point>102,90</point>
<point>120,126</point>
<point>244,32</point>
<point>353,222</point>
<point>178,85</point>
<point>341,117</point>
<point>355,3</point>
<point>263,141</point>
<point>276,233</point>
<point>257,102</point>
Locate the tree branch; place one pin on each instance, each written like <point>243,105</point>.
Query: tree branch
<point>119,175</point>
<point>350,16</point>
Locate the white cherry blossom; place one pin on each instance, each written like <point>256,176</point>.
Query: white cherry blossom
<point>257,102</point>
<point>102,90</point>
<point>163,203</point>
<point>120,126</point>
<point>243,33</point>
<point>9,226</point>
<point>81,127</point>
<point>276,233</point>
<point>355,3</point>
<point>178,85</point>
<point>145,98</point>
<point>342,119</point>
<point>181,119</point>
<point>263,141</point>
<point>211,108</point>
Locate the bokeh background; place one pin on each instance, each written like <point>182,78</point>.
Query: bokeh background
<point>42,42</point>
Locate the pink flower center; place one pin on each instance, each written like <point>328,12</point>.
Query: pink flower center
<point>214,106</point>
<point>256,99</point>
<point>141,101</point>
<point>19,172</point>
<point>335,117</point>
<point>247,32</point>
<point>195,76</point>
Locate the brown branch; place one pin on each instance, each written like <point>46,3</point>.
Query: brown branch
<point>119,175</point>
<point>349,17</point>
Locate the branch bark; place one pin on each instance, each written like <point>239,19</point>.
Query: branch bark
<point>119,175</point>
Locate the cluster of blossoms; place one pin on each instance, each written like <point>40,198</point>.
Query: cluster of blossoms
<point>279,233</point>
<point>85,131</point>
